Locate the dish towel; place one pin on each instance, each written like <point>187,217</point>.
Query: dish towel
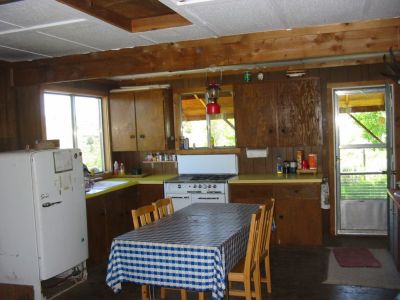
<point>325,195</point>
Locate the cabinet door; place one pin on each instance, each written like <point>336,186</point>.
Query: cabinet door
<point>150,120</point>
<point>130,201</point>
<point>123,123</point>
<point>115,216</point>
<point>255,115</point>
<point>149,193</point>
<point>96,223</point>
<point>248,193</point>
<point>299,116</point>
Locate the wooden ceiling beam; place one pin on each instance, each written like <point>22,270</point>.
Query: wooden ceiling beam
<point>363,38</point>
<point>105,13</point>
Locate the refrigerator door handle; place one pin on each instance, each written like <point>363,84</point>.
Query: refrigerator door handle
<point>48,204</point>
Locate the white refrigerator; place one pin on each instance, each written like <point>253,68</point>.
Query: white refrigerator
<point>43,230</point>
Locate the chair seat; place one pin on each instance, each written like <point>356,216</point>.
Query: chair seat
<point>237,273</point>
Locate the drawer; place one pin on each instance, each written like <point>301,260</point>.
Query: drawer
<point>297,191</point>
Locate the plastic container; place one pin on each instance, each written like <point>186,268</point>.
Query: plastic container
<point>279,166</point>
<point>312,161</point>
<point>121,169</point>
<point>116,168</point>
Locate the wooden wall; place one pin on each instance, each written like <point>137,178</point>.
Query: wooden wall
<point>8,113</point>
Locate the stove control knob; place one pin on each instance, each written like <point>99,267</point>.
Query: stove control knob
<point>194,186</point>
<point>199,186</point>
<point>179,186</point>
<point>214,186</point>
<point>209,186</point>
<point>205,186</point>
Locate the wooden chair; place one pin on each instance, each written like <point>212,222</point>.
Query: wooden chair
<point>248,269</point>
<point>164,207</point>
<point>142,216</point>
<point>265,241</point>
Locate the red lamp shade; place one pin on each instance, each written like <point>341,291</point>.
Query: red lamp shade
<point>213,108</point>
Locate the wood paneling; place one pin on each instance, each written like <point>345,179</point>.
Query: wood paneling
<point>14,292</point>
<point>30,127</point>
<point>8,113</point>
<point>329,40</point>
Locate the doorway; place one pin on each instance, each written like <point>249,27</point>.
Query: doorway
<point>362,151</point>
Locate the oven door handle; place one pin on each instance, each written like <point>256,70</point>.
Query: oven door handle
<point>209,198</point>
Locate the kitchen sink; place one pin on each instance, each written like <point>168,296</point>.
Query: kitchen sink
<point>102,185</point>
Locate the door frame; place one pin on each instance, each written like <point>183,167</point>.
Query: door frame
<point>331,134</point>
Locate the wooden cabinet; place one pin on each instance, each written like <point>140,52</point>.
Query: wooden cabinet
<point>108,216</point>
<point>298,215</point>
<point>141,121</point>
<point>149,193</point>
<point>278,113</point>
<point>123,121</point>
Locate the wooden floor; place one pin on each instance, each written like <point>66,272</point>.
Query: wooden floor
<point>297,273</point>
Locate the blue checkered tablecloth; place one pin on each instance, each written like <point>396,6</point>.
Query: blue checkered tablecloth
<point>192,249</point>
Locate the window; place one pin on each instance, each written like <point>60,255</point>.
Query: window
<point>207,131</point>
<point>77,122</point>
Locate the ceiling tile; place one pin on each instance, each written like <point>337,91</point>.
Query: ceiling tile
<point>11,55</point>
<point>184,33</point>
<point>41,44</point>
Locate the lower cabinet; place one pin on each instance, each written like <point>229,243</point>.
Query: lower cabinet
<point>108,216</point>
<point>298,216</point>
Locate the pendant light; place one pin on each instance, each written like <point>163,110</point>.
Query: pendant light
<point>212,94</point>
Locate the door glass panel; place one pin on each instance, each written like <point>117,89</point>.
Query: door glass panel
<point>363,160</point>
<point>363,187</point>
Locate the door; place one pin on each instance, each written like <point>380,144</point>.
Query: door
<point>362,146</point>
<point>150,120</point>
<point>123,122</point>
<point>60,210</point>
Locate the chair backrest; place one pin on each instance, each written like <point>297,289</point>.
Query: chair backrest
<point>266,228</point>
<point>163,207</point>
<point>142,216</point>
<point>253,244</point>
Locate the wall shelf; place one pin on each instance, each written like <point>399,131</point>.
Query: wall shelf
<point>209,151</point>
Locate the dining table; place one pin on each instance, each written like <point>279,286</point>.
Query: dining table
<point>192,249</point>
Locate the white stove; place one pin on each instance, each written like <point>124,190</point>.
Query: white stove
<point>205,180</point>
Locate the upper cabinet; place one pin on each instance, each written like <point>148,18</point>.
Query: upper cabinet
<point>283,113</point>
<point>141,121</point>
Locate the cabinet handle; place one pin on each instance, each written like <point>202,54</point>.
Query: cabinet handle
<point>132,136</point>
<point>280,217</point>
<point>142,136</point>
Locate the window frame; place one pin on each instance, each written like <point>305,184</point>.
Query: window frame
<point>104,113</point>
<point>178,122</point>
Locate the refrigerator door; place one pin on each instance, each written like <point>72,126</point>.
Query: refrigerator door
<point>60,210</point>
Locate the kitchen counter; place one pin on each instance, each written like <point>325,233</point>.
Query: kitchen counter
<point>274,178</point>
<point>129,181</point>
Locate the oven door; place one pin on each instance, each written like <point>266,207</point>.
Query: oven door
<point>180,200</point>
<point>208,198</point>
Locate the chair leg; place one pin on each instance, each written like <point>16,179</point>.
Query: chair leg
<point>201,296</point>
<point>257,283</point>
<point>183,294</point>
<point>145,295</point>
<point>247,288</point>
<point>162,295</point>
<point>268,274</point>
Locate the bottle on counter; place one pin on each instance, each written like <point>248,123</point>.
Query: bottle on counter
<point>279,166</point>
<point>121,169</point>
<point>116,168</point>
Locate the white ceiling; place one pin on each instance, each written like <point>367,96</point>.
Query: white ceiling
<point>35,29</point>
